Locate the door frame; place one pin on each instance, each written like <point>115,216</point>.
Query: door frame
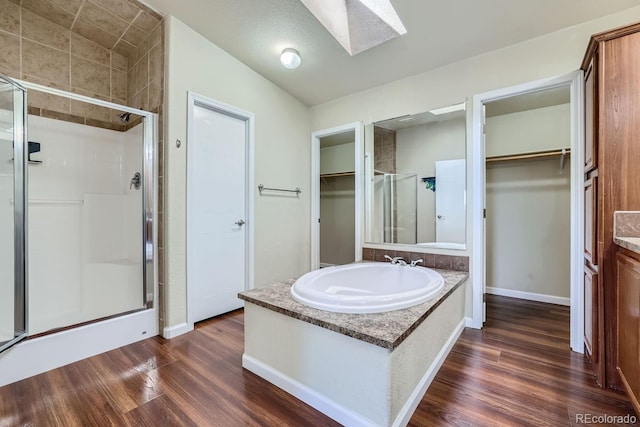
<point>357,128</point>
<point>197,100</point>
<point>575,82</point>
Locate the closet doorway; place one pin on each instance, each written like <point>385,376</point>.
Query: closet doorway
<point>527,179</point>
<point>336,202</point>
<point>528,196</point>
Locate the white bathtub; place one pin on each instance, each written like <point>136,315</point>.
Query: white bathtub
<point>372,287</point>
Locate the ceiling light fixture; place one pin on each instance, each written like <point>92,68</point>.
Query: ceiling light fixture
<point>290,59</point>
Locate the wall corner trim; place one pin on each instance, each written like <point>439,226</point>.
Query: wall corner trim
<point>177,330</point>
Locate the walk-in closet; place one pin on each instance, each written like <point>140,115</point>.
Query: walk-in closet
<point>528,196</point>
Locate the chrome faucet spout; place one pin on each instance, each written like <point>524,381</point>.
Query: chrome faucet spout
<point>396,260</point>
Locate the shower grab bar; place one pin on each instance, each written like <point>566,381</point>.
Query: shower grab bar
<point>262,187</point>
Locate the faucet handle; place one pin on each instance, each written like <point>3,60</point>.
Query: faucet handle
<point>416,262</point>
<point>389,258</point>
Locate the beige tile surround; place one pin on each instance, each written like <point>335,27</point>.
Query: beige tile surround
<point>64,44</point>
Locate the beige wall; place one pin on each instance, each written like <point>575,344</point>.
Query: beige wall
<point>550,55</point>
<point>282,159</point>
<point>528,227</point>
<point>529,131</point>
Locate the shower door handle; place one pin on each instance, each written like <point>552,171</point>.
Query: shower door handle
<point>240,223</point>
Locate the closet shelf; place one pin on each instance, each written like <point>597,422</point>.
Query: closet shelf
<point>337,174</point>
<point>533,155</point>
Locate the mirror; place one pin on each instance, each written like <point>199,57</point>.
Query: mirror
<point>415,179</point>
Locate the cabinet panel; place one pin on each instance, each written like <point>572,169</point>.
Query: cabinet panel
<point>591,220</point>
<point>591,303</point>
<point>590,121</point>
<point>628,326</point>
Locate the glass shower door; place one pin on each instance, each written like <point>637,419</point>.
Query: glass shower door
<point>12,213</point>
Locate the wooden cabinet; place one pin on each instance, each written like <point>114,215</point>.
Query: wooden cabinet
<point>611,182</point>
<point>590,112</point>
<point>628,325</point>
<point>592,296</point>
<point>591,220</point>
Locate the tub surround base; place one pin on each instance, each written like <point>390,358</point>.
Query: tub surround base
<point>373,372</point>
<point>386,329</point>
<point>337,411</point>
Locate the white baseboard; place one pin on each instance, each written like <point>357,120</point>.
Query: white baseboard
<point>551,299</point>
<point>338,412</point>
<point>38,355</point>
<point>309,396</point>
<point>174,331</point>
<point>416,397</point>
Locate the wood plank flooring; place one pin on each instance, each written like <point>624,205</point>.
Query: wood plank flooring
<point>517,371</point>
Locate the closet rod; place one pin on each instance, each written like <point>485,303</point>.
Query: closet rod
<point>535,155</point>
<point>337,174</point>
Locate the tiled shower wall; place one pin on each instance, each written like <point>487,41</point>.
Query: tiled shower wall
<point>82,47</point>
<point>384,149</point>
<point>111,50</point>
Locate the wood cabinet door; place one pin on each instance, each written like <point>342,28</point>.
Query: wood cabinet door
<point>590,119</point>
<point>628,325</point>
<point>591,220</point>
<point>592,303</point>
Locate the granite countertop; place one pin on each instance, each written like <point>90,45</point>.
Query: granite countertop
<point>631,243</point>
<point>386,329</point>
<point>626,230</point>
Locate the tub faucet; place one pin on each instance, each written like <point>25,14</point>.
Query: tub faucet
<point>416,262</point>
<point>396,260</point>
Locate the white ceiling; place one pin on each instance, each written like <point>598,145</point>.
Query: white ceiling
<point>439,32</point>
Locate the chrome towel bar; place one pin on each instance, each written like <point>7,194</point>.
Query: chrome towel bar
<point>262,188</point>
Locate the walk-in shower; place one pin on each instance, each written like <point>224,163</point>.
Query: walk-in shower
<point>89,211</point>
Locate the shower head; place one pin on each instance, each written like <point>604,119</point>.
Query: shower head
<point>124,117</point>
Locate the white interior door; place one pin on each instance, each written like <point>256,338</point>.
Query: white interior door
<point>451,201</point>
<point>217,212</point>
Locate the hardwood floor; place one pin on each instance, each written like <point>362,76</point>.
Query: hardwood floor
<point>517,371</point>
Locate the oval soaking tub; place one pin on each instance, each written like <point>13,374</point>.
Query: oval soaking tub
<point>371,287</point>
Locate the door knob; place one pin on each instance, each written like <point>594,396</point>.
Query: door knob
<point>239,223</point>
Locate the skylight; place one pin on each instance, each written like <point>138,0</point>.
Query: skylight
<point>357,25</point>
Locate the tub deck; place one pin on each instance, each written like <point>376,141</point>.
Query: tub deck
<point>386,330</point>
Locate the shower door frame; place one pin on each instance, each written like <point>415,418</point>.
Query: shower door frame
<point>20,325</point>
<point>79,342</point>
